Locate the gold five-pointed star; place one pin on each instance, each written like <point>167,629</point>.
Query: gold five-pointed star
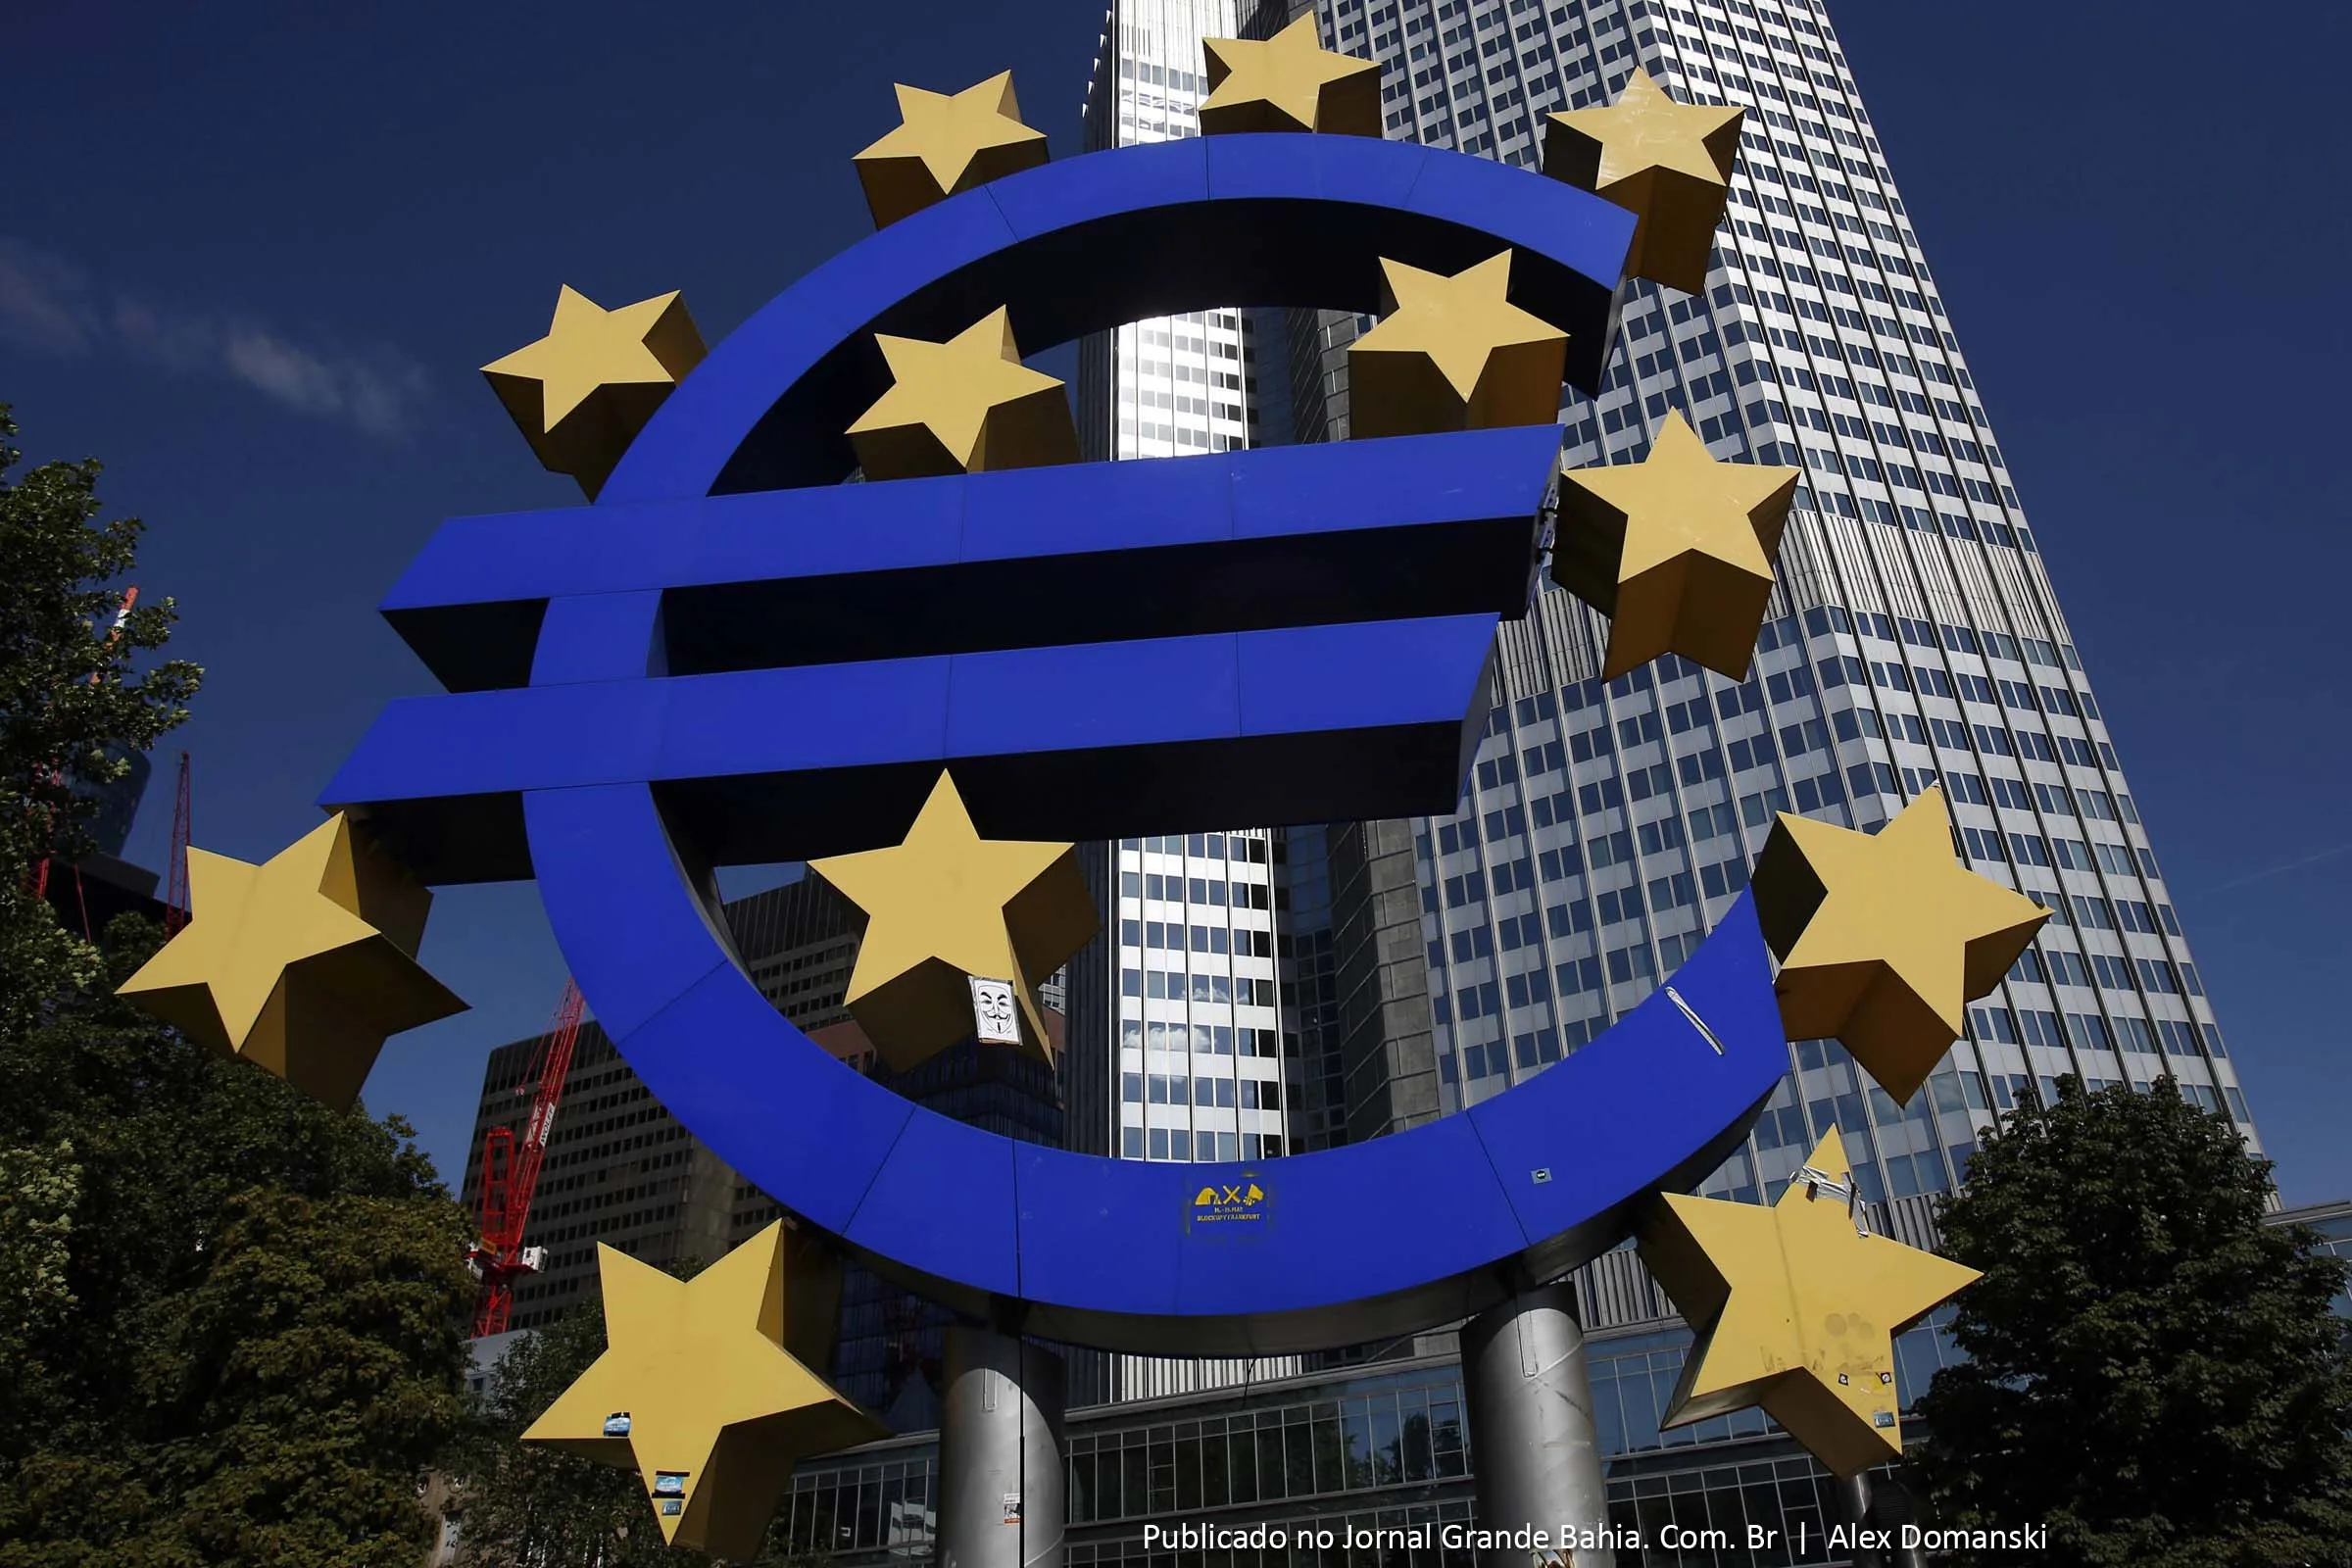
<point>1287,82</point>
<point>1676,550</point>
<point>1795,1309</point>
<point>699,1396</point>
<point>962,406</point>
<point>947,143</point>
<point>1668,164</point>
<point>581,393</point>
<point>1885,938</point>
<point>1453,354</point>
<point>948,905</point>
<point>302,965</point>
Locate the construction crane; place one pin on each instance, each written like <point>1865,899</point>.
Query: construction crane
<point>511,1173</point>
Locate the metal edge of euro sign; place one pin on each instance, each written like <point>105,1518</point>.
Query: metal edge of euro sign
<point>649,687</point>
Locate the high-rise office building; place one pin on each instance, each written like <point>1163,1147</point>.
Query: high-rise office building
<point>1914,639</point>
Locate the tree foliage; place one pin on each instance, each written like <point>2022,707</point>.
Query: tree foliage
<point>39,1188</point>
<point>263,1346</point>
<point>231,1320</point>
<point>73,699</point>
<point>2153,1372</point>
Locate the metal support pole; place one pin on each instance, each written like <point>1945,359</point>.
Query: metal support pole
<point>1856,1493</point>
<point>1532,1438</point>
<point>1000,1453</point>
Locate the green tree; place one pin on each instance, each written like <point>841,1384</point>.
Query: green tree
<point>265,1349</point>
<point>2153,1372</point>
<point>39,1188</point>
<point>73,701</point>
<point>231,1320</point>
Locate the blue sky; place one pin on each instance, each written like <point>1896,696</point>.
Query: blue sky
<point>253,253</point>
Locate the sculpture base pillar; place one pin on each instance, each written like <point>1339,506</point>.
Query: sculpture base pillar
<point>1856,1493</point>
<point>1533,1441</point>
<point>1002,1457</point>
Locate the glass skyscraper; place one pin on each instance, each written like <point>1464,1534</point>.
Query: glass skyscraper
<point>1914,638</point>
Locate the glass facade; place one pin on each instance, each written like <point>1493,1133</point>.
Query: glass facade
<point>1200,1015</point>
<point>1380,1450</point>
<point>1172,385</point>
<point>1915,638</point>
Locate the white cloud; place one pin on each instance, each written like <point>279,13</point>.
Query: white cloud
<point>48,304</point>
<point>44,303</point>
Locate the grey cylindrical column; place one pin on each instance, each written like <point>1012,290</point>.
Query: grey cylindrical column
<point>1000,1453</point>
<point>1858,1495</point>
<point>1532,1438</point>
<point>1854,1495</point>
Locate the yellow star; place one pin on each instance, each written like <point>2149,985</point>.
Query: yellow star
<point>962,406</point>
<point>1668,164</point>
<point>1453,354</point>
<point>948,904</point>
<point>1795,1310</point>
<point>1676,550</point>
<point>710,1407</point>
<point>1287,82</point>
<point>945,143</point>
<point>581,393</point>
<point>302,965</point>
<point>1885,938</point>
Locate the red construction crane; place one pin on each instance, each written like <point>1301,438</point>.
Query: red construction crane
<point>511,1172</point>
<point>175,869</point>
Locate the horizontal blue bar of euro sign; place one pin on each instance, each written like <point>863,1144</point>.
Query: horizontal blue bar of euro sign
<point>1311,723</point>
<point>1098,551</point>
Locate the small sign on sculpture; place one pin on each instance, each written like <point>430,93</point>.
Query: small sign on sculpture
<point>995,1021</point>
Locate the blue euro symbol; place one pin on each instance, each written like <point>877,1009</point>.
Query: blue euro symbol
<point>731,658</point>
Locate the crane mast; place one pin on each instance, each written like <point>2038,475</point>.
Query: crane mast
<point>511,1171</point>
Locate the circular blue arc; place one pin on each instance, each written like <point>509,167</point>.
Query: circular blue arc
<point>1094,242</point>
<point>1349,1244</point>
<point>1318,1250</point>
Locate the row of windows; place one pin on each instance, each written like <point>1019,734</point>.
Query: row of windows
<point>1212,893</point>
<point>1205,1039</point>
<point>1205,846</point>
<point>1175,1089</point>
<point>1175,985</point>
<point>1177,1143</point>
<point>1169,935</point>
